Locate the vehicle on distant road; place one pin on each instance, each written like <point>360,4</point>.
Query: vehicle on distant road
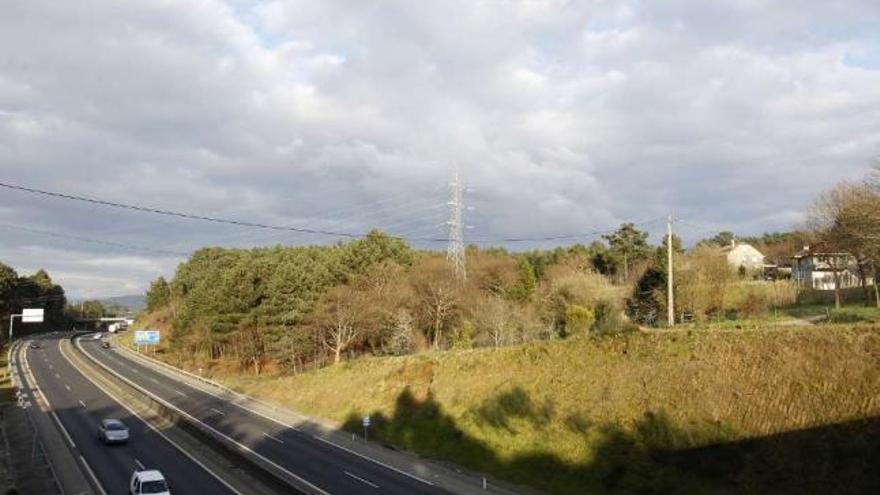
<point>150,482</point>
<point>112,431</point>
<point>105,344</point>
<point>118,327</point>
<point>35,345</point>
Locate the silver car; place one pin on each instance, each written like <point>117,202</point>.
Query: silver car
<point>112,431</point>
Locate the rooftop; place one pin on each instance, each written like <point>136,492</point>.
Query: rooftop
<point>151,475</point>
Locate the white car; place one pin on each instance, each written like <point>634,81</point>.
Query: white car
<point>112,431</point>
<point>148,482</point>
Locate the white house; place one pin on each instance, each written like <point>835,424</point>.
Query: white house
<point>744,255</point>
<point>816,270</point>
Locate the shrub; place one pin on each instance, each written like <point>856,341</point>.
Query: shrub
<point>609,317</point>
<point>753,301</point>
<point>578,319</point>
<point>843,316</point>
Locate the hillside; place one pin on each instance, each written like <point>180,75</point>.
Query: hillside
<point>790,411</point>
<point>133,302</point>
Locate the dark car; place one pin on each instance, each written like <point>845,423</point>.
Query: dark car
<point>105,345</point>
<point>112,431</point>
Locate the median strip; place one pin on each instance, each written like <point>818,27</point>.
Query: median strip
<point>267,465</point>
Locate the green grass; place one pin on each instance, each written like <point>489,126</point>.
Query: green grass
<point>792,315</point>
<point>623,414</point>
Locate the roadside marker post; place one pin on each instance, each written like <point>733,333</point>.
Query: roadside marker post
<point>366,422</point>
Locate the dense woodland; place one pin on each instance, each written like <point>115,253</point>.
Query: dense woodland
<point>34,291</point>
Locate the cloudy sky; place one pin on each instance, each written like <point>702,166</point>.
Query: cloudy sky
<point>565,117</point>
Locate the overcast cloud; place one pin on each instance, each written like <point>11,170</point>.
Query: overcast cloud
<point>565,117</point>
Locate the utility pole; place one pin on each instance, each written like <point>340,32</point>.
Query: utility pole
<point>455,250</point>
<point>670,309</point>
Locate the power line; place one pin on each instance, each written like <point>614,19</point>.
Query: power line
<point>244,223</point>
<point>93,241</point>
<point>190,216</point>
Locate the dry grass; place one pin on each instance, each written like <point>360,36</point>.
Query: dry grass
<point>563,400</point>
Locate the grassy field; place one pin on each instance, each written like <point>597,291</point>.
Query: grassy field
<point>793,409</point>
<point>794,315</point>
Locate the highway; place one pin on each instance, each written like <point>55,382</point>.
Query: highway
<point>80,405</point>
<point>327,468</point>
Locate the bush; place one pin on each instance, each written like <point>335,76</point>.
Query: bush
<point>753,301</point>
<point>578,319</point>
<point>854,315</point>
<point>609,317</point>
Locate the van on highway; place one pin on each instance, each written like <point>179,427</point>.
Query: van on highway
<point>148,482</point>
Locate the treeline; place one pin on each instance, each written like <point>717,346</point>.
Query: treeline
<point>294,307</point>
<point>34,291</point>
<point>290,307</point>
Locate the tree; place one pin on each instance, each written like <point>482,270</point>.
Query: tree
<point>846,221</point>
<point>722,239</point>
<point>436,296</point>
<point>158,295</point>
<point>644,304</point>
<point>628,245</point>
<point>338,321</point>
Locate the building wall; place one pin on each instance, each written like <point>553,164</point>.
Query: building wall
<point>747,256</point>
<point>808,272</point>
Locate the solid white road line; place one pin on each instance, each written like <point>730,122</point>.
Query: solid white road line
<point>57,376</point>
<point>361,479</point>
<point>239,445</point>
<point>83,404</point>
<point>63,429</point>
<point>159,432</point>
<point>181,393</point>
<point>409,475</point>
<point>67,387</point>
<point>328,442</point>
<point>154,380</point>
<point>273,438</point>
<point>139,463</point>
<point>92,475</point>
<point>33,382</point>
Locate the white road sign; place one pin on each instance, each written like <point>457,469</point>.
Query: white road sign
<point>32,315</point>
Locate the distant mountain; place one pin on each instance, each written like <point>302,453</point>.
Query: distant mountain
<point>134,302</point>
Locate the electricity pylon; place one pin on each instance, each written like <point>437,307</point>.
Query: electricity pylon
<point>455,250</point>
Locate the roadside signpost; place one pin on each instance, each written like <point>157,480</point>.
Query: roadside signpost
<point>366,422</point>
<point>147,338</point>
<point>29,315</point>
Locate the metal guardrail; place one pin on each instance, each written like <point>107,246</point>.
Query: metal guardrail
<point>17,382</point>
<point>221,438</point>
<point>224,388</point>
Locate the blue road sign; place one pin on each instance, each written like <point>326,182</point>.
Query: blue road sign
<point>146,337</point>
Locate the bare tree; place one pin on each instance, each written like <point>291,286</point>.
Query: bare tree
<point>846,221</point>
<point>251,347</point>
<point>338,321</point>
<point>496,319</point>
<point>437,299</point>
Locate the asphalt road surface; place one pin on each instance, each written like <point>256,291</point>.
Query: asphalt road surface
<point>329,468</point>
<point>80,405</point>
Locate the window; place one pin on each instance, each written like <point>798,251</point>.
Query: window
<point>154,487</point>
